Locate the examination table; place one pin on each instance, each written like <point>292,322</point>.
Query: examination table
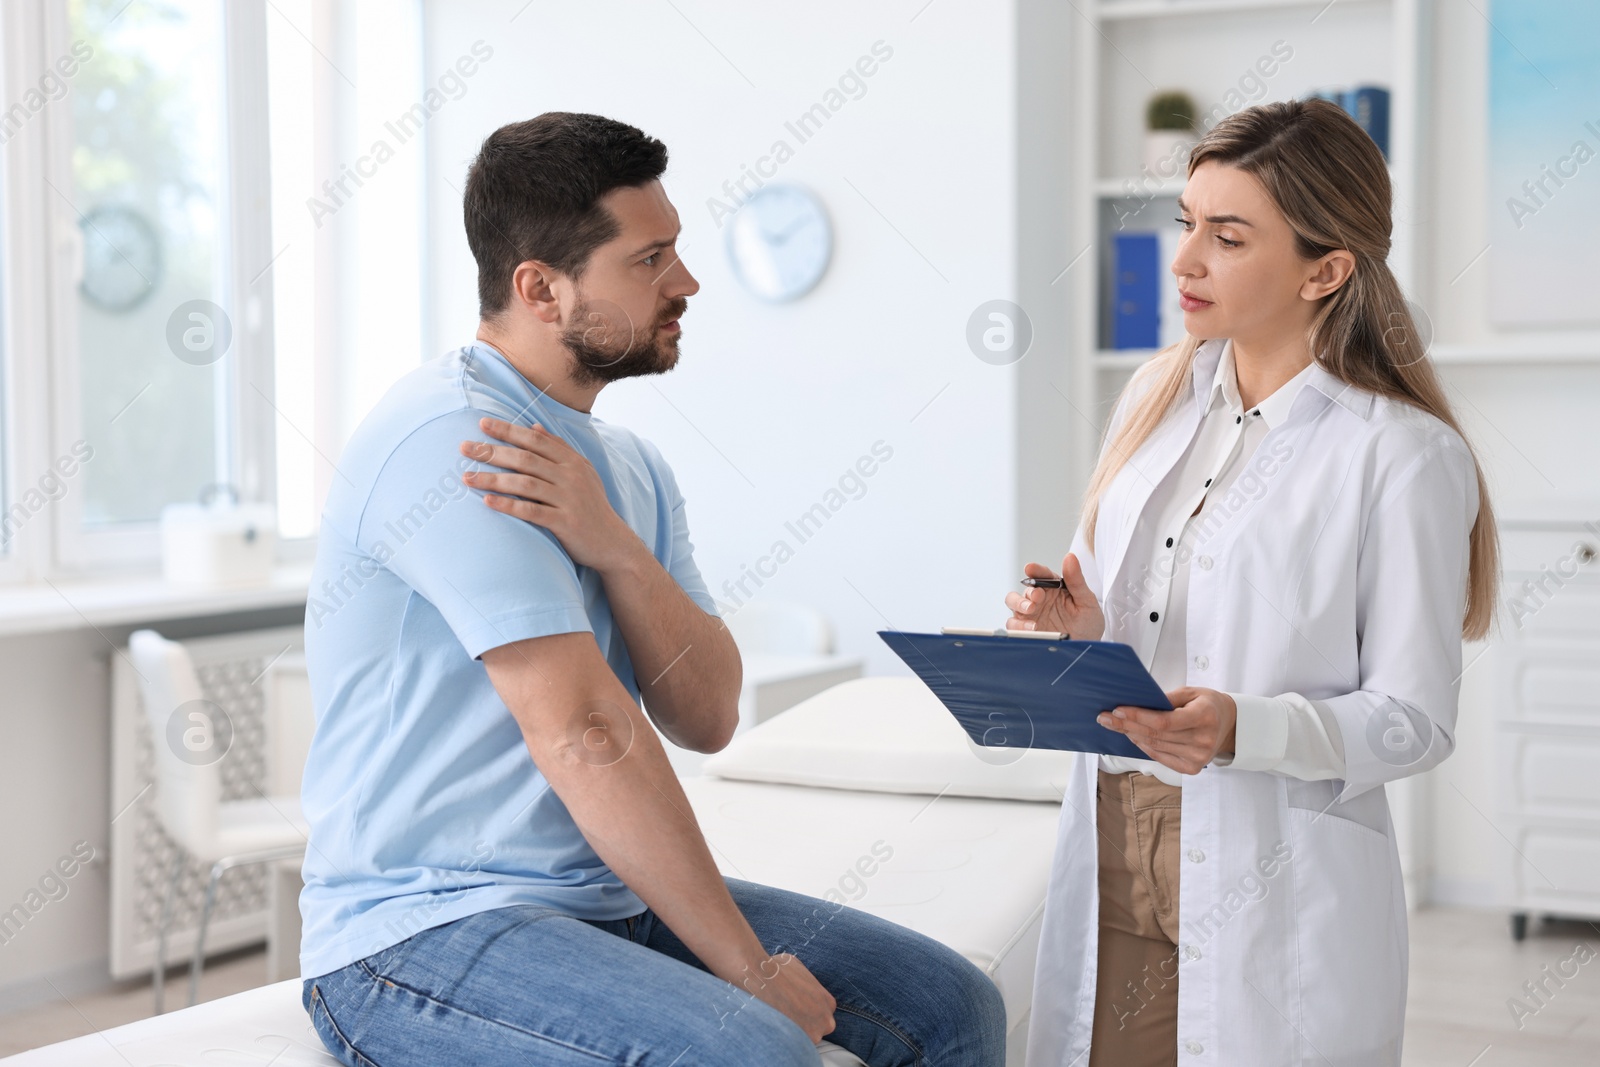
<point>867,794</point>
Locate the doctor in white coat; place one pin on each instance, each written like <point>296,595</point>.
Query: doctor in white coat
<point>1288,526</point>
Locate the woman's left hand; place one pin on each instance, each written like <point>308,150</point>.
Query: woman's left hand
<point>1196,731</point>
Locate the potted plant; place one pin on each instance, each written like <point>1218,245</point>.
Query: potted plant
<point>1169,133</point>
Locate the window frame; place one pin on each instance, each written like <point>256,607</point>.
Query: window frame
<point>25,256</point>
<point>245,447</point>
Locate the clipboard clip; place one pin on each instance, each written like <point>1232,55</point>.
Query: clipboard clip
<point>974,631</point>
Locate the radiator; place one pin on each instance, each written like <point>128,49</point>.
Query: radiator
<point>231,667</point>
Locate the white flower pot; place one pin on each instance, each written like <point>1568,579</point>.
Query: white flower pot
<point>1166,153</point>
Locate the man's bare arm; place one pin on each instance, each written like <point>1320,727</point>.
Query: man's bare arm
<point>686,663</point>
<point>592,743</point>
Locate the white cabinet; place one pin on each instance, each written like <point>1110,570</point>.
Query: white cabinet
<point>1547,713</point>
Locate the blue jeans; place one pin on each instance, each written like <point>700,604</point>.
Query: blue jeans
<point>529,985</point>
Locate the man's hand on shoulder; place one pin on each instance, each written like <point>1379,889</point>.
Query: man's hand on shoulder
<point>545,481</point>
<point>687,665</point>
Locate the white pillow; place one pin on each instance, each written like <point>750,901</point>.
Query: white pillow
<point>887,735</point>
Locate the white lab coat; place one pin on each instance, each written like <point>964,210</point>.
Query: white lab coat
<point>1341,577</point>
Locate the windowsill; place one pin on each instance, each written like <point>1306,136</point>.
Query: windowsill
<point>75,604</point>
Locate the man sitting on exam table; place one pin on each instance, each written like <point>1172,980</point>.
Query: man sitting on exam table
<point>503,867</point>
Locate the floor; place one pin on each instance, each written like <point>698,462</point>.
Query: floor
<point>1464,970</point>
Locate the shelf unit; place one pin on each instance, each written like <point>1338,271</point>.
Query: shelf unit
<point>1123,51</point>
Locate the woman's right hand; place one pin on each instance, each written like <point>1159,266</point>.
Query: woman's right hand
<point>1072,609</point>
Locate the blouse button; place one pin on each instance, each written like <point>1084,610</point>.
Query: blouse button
<point>1194,1048</point>
<point>1154,616</point>
<point>1204,561</point>
<point>1201,662</point>
<point>1208,481</point>
<point>1169,542</point>
<point>1196,856</point>
<point>1237,419</point>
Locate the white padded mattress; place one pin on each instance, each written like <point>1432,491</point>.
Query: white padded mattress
<point>966,871</point>
<point>265,1025</point>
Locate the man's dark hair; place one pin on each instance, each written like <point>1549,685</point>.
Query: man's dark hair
<point>534,193</point>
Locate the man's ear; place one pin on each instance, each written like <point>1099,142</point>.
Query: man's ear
<point>1333,270</point>
<point>533,285</point>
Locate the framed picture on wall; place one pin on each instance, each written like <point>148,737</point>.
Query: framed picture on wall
<point>1544,162</point>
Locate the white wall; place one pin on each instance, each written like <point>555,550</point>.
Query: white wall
<point>1532,422</point>
<point>771,404</point>
<point>54,788</point>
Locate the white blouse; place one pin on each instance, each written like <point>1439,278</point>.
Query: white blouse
<point>1288,733</point>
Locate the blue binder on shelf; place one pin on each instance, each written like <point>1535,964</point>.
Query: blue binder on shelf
<point>1136,261</point>
<point>1032,692</point>
<point>1369,106</point>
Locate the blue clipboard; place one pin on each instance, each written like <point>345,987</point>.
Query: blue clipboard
<point>1028,692</point>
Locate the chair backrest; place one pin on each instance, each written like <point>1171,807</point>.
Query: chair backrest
<point>183,736</point>
<point>781,629</point>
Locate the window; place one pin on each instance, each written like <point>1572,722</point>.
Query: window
<point>147,196</point>
<point>192,320</point>
<point>156,331</point>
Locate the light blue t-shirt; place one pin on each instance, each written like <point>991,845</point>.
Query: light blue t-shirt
<point>423,801</point>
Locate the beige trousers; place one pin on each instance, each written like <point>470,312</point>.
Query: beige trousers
<point>1136,993</point>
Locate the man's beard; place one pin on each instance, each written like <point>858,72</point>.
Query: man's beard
<point>607,346</point>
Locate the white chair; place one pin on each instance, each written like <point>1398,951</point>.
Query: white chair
<point>189,804</point>
<point>783,629</point>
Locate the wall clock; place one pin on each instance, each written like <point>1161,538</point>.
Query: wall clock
<point>780,242</point>
<point>121,258</point>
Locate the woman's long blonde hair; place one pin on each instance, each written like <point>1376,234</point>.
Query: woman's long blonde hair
<point>1329,180</point>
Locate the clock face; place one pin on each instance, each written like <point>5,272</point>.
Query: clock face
<point>780,242</point>
<point>121,258</point>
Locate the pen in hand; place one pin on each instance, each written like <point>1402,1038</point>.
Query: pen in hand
<point>1056,603</point>
<point>1040,583</point>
